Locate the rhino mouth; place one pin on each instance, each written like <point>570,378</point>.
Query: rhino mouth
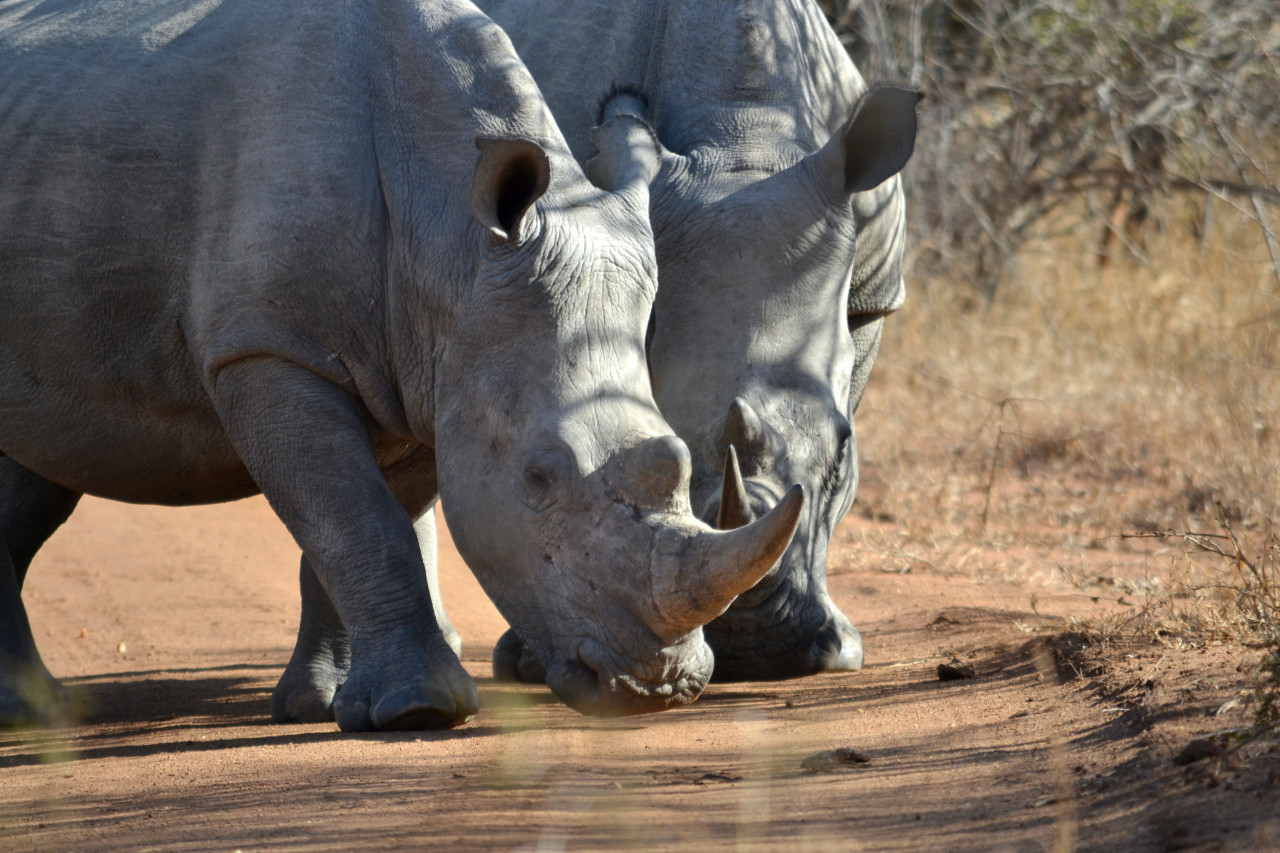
<point>786,633</point>
<point>592,680</point>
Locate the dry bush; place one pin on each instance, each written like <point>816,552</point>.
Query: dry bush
<point>1114,109</point>
<point>1024,436</point>
<point>1094,401</point>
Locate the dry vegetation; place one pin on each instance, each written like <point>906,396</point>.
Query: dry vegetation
<point>1132,397</point>
<point>1085,383</point>
<point>1036,107</point>
<point>1029,436</point>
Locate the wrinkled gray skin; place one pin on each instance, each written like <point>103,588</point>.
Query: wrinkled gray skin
<point>252,246</point>
<point>774,278</point>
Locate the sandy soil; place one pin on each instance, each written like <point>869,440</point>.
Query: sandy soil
<point>173,625</point>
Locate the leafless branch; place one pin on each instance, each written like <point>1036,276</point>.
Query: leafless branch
<point>1035,104</point>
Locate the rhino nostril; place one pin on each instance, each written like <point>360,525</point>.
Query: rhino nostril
<point>577,685</point>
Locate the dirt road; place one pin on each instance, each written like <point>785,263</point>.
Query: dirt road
<point>173,625</point>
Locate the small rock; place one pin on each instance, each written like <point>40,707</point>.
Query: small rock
<point>1201,747</point>
<point>84,633</point>
<point>1045,801</point>
<point>830,760</point>
<point>954,671</point>
<point>120,649</point>
<point>715,777</point>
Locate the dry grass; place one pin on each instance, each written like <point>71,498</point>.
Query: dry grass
<point>1022,438</point>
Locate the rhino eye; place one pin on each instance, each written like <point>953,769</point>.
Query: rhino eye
<point>844,438</point>
<point>541,478</point>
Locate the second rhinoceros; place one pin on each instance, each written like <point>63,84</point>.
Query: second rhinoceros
<point>778,216</point>
<point>252,246</point>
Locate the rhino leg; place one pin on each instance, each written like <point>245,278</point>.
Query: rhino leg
<point>425,527</point>
<point>322,656</point>
<point>306,443</point>
<point>31,508</point>
<point>514,661</point>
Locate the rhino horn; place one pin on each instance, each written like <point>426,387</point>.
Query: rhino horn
<point>735,508</point>
<point>874,144</point>
<point>715,567</point>
<point>744,430</point>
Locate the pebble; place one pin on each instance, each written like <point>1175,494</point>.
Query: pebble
<point>833,759</point>
<point>954,671</point>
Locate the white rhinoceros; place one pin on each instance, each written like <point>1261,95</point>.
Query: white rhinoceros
<point>778,217</point>
<point>250,246</point>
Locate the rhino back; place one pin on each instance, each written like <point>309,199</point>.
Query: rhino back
<point>189,183</point>
<point>766,80</point>
<point>139,199</point>
<point>694,62</point>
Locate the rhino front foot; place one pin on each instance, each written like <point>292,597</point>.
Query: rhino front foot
<point>514,661</point>
<point>30,696</point>
<point>306,690</point>
<point>439,695</point>
<point>320,662</point>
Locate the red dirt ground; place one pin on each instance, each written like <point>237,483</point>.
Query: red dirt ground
<point>173,625</point>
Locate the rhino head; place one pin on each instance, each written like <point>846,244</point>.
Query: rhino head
<point>756,364</point>
<point>565,490</point>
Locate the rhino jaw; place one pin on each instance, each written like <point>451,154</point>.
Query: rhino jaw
<point>837,647</point>
<point>591,683</point>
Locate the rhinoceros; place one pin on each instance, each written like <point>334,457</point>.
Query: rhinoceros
<point>252,247</point>
<point>778,216</point>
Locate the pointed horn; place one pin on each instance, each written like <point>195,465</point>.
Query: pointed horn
<point>747,433</point>
<point>713,567</point>
<point>735,508</point>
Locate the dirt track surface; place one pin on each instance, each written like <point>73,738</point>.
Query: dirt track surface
<point>172,627</point>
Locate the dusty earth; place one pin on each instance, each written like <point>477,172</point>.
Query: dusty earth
<point>172,626</point>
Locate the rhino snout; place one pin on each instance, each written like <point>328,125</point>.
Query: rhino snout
<point>590,685</point>
<point>788,633</point>
<point>837,647</point>
<point>656,472</point>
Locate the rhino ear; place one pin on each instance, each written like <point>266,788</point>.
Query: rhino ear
<point>629,153</point>
<point>874,144</point>
<point>510,176</point>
